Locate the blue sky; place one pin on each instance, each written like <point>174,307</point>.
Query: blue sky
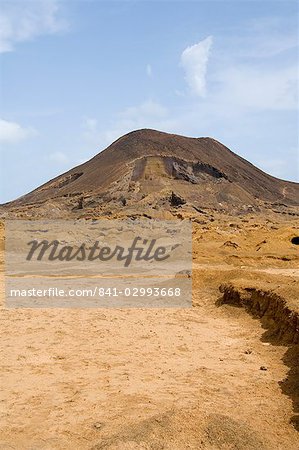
<point>76,75</point>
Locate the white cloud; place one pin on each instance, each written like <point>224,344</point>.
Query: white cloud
<point>252,86</point>
<point>12,132</point>
<point>149,70</point>
<point>146,111</point>
<point>280,166</point>
<point>90,128</point>
<point>236,85</point>
<point>194,60</point>
<point>149,114</point>
<point>272,46</point>
<point>20,21</point>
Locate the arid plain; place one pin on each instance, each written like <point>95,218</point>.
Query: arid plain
<point>212,377</point>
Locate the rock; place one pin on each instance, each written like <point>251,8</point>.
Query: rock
<point>98,425</point>
<point>176,200</point>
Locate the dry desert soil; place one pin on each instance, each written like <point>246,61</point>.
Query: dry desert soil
<point>220,375</point>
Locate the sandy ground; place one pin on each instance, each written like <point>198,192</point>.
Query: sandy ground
<point>198,378</point>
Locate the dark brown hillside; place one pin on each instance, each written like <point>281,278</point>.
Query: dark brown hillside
<point>146,166</point>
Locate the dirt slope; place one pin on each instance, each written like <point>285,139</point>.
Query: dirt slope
<point>144,167</point>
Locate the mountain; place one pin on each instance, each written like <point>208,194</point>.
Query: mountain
<point>149,170</point>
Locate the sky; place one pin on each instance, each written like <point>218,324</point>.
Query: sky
<point>77,74</point>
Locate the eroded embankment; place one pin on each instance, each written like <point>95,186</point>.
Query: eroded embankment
<point>279,315</point>
<point>273,309</point>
